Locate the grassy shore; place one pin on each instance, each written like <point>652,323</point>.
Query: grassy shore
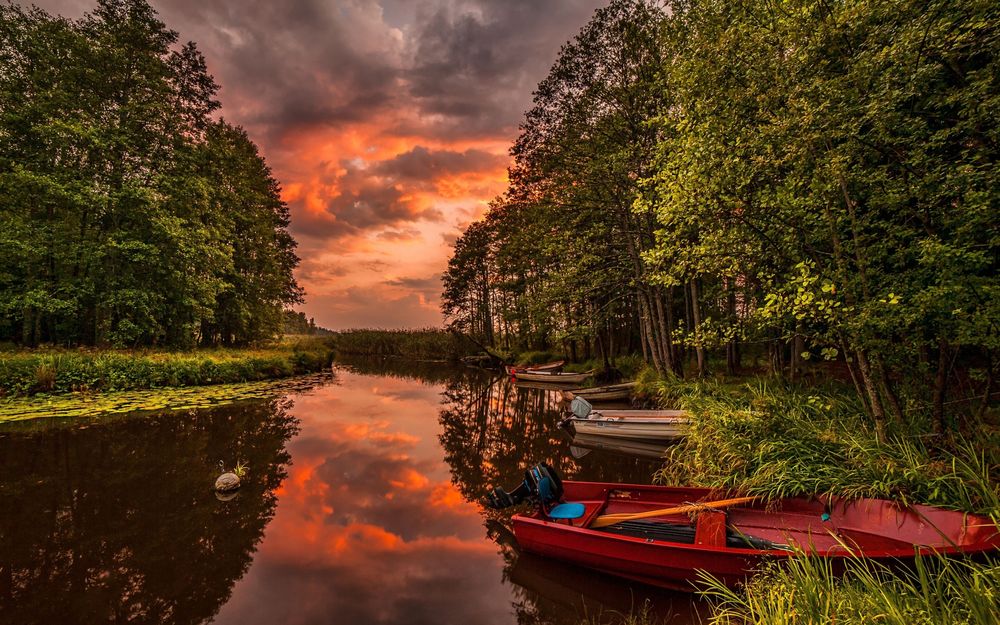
<point>766,438</point>
<point>62,371</point>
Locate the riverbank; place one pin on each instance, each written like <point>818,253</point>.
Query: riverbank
<point>25,373</point>
<point>762,437</point>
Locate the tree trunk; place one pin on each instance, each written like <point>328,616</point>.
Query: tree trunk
<point>798,346</point>
<point>885,384</point>
<point>696,316</point>
<point>940,387</point>
<point>666,334</point>
<point>878,412</point>
<point>642,338</point>
<point>647,323</point>
<point>732,347</point>
<point>990,383</point>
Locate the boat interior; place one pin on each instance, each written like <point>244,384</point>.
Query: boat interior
<point>826,527</point>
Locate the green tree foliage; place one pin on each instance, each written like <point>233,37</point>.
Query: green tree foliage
<point>298,323</point>
<point>558,257</point>
<point>818,177</point>
<point>129,216</point>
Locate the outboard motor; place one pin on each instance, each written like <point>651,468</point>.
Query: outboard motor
<point>541,486</point>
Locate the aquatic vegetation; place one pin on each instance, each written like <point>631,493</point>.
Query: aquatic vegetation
<point>91,405</point>
<point>64,371</point>
<point>240,470</point>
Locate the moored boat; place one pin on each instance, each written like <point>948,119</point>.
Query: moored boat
<point>611,392</point>
<point>664,548</point>
<point>662,426</point>
<point>552,377</point>
<point>555,365</point>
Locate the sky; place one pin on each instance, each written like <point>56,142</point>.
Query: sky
<point>387,122</point>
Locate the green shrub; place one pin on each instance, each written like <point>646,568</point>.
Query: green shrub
<point>27,373</point>
<point>777,442</point>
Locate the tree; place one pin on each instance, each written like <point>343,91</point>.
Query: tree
<point>115,228</point>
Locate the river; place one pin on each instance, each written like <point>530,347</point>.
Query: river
<point>360,506</point>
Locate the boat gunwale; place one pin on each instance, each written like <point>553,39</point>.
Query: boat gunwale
<point>634,421</point>
<point>838,552</point>
<point>841,551</point>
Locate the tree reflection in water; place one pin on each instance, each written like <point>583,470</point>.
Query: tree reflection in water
<point>491,431</point>
<point>116,521</point>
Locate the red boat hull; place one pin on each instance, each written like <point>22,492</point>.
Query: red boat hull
<point>870,528</point>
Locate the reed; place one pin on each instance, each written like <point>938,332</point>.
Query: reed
<point>428,344</point>
<point>61,371</point>
<point>770,441</point>
<point>935,591</point>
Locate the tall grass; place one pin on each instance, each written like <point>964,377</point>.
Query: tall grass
<point>768,439</point>
<point>429,344</point>
<point>936,591</point>
<point>33,372</point>
<point>776,442</point>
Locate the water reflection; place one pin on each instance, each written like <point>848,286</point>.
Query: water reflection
<point>114,523</point>
<point>361,507</point>
<point>491,430</point>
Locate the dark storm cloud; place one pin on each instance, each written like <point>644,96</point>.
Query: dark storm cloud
<point>466,67</point>
<point>475,63</point>
<point>424,164</point>
<point>430,283</point>
<point>320,82</point>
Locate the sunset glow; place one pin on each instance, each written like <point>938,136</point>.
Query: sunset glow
<point>387,122</point>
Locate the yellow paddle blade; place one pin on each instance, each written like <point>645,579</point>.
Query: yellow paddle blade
<point>611,519</point>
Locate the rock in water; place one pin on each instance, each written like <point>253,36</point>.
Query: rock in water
<point>227,482</point>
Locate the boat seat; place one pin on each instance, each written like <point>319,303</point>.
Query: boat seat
<point>567,511</point>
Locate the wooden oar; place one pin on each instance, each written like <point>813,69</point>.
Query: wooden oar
<point>610,519</point>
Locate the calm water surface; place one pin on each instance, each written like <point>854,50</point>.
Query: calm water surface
<point>360,508</point>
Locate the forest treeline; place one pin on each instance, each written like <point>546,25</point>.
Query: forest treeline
<point>818,180</point>
<point>128,214</point>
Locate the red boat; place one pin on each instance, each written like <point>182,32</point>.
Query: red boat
<point>668,549</point>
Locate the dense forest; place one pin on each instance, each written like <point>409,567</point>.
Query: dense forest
<point>808,179</point>
<point>129,215</point>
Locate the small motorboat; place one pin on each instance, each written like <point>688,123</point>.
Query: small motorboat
<point>637,425</point>
<point>555,365</point>
<point>552,377</point>
<point>645,533</point>
<point>611,392</point>
<point>651,426</point>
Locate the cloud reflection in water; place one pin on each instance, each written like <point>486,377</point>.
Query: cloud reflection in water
<point>369,527</point>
